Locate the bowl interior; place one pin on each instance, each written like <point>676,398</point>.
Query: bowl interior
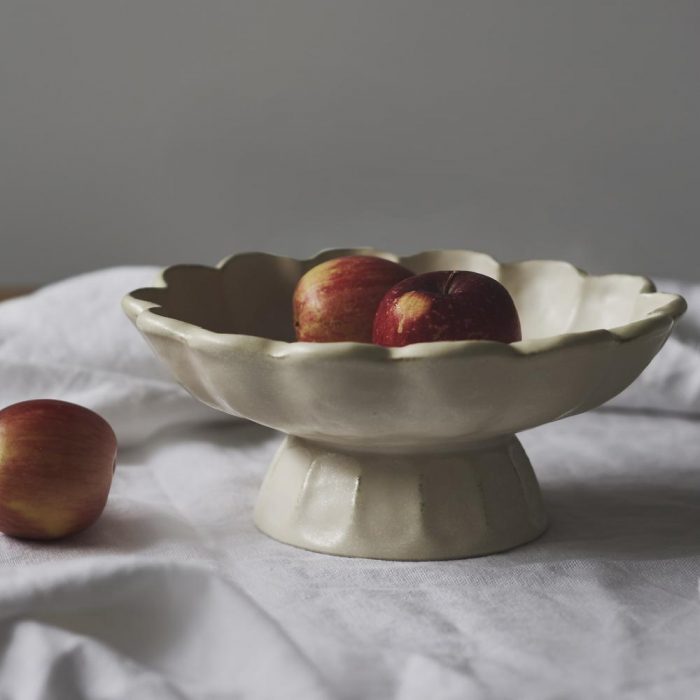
<point>250,294</point>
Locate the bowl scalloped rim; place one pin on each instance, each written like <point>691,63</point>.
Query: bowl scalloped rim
<point>141,312</point>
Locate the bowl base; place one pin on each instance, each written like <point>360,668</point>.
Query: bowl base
<point>402,506</point>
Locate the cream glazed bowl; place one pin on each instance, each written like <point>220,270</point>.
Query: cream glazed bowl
<point>401,453</point>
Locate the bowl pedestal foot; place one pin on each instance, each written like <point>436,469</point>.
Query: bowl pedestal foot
<point>480,499</point>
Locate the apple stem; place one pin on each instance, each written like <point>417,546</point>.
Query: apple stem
<point>448,282</point>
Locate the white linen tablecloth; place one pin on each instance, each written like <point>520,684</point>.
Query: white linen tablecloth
<point>173,593</point>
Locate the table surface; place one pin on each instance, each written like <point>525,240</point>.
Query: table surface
<point>9,292</point>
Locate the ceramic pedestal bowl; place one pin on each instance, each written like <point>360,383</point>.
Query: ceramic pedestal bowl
<point>401,453</point>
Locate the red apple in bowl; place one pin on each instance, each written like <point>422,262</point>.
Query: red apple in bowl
<point>446,305</point>
<point>56,466</point>
<point>337,299</point>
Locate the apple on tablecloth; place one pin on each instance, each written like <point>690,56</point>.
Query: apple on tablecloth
<point>56,466</point>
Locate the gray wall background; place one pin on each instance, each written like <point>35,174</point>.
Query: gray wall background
<point>161,131</point>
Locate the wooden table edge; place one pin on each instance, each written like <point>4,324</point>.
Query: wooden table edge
<point>11,292</point>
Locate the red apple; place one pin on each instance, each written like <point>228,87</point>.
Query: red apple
<point>56,465</point>
<point>337,300</point>
<point>446,305</point>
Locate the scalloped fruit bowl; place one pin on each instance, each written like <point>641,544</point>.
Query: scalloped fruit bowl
<point>401,453</point>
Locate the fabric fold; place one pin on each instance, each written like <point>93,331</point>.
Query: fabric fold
<point>122,628</point>
<point>71,341</point>
<point>671,383</point>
